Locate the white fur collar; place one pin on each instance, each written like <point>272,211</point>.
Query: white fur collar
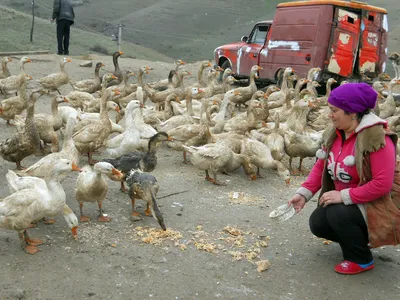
<point>369,120</point>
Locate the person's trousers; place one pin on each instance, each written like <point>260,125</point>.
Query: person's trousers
<point>63,32</point>
<point>345,225</point>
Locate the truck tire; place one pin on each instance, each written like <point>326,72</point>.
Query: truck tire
<point>226,65</point>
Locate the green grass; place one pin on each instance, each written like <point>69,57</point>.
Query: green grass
<point>15,36</point>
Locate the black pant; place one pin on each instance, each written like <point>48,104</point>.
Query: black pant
<point>345,225</point>
<point>63,31</point>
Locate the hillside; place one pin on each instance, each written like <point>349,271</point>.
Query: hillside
<point>16,30</point>
<point>185,29</point>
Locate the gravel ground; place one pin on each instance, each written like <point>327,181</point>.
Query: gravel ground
<point>214,240</point>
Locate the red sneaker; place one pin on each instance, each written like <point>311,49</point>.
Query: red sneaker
<point>351,268</point>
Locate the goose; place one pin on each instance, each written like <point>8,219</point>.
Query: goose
<point>164,84</point>
<point>144,186</point>
<point>388,108</point>
<point>129,140</point>
<point>54,81</point>
<point>10,85</point>
<point>210,157</point>
<point>6,73</point>
<point>247,92</point>
<point>145,161</point>
<point>26,141</point>
<point>117,71</point>
<point>92,136</point>
<point>260,155</point>
<point>41,168</point>
<point>13,106</point>
<point>89,85</point>
<point>91,186</point>
<point>45,198</point>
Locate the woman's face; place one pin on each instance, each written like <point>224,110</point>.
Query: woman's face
<point>339,119</point>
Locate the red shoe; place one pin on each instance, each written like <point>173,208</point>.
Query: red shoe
<point>351,268</point>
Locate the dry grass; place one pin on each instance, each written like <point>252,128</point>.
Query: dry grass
<point>15,35</point>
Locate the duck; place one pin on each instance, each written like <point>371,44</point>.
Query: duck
<point>117,71</point>
<point>27,141</point>
<point>388,108</point>
<point>89,85</point>
<point>54,81</point>
<point>91,186</point>
<point>145,161</point>
<point>46,197</point>
<point>6,73</point>
<point>13,106</point>
<point>11,84</point>
<point>41,167</point>
<point>144,186</point>
<point>247,92</point>
<point>92,136</point>
<point>129,140</point>
<point>212,158</point>
<point>260,155</point>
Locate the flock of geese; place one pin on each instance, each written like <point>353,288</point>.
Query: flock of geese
<point>218,125</point>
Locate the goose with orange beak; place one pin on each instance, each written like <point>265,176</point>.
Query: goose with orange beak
<point>91,186</point>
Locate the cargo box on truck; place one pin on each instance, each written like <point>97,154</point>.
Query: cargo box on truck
<point>344,38</point>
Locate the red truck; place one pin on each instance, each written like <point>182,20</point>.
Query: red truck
<point>343,38</point>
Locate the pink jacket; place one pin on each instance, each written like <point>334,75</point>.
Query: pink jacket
<point>342,169</point>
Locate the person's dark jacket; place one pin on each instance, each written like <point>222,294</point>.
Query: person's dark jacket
<point>63,10</point>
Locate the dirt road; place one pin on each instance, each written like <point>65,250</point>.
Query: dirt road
<point>202,258</point>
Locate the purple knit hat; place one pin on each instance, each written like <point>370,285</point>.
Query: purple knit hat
<point>353,97</point>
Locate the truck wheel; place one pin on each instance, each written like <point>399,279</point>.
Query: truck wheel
<point>226,65</point>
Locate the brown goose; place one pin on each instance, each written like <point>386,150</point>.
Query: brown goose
<point>89,85</point>
<point>6,73</point>
<point>117,71</point>
<point>26,141</point>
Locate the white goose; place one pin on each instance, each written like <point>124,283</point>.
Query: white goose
<point>91,186</point>
<point>129,140</point>
<point>45,198</point>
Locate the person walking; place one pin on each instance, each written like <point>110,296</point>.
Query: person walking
<point>64,15</point>
<point>355,172</point>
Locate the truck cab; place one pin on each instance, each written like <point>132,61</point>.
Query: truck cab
<point>345,39</point>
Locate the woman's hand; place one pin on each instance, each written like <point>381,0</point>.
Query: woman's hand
<point>331,197</point>
<point>298,202</point>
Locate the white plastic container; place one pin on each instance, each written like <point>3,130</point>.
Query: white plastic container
<point>282,213</point>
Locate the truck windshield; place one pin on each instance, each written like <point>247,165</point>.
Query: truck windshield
<point>259,34</point>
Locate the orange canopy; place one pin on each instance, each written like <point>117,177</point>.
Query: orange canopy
<point>350,4</point>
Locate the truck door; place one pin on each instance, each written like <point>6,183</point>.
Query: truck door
<point>371,40</point>
<point>344,42</point>
<point>248,54</point>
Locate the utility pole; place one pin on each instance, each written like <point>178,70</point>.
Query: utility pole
<point>119,36</point>
<point>33,20</point>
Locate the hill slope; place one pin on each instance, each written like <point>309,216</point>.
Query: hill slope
<point>16,30</point>
<point>185,29</point>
